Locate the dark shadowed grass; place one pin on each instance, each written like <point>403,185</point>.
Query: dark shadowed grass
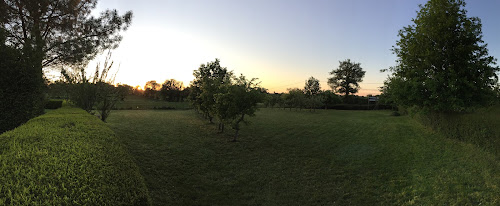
<point>303,158</point>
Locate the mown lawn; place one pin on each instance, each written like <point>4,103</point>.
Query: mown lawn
<point>133,102</point>
<point>302,158</point>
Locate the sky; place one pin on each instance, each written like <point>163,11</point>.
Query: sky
<point>281,42</point>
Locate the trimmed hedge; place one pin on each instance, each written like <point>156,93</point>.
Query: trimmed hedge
<point>67,157</point>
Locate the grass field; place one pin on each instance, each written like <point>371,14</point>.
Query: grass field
<point>133,102</point>
<point>302,158</point>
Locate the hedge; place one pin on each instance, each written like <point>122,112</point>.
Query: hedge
<point>67,157</point>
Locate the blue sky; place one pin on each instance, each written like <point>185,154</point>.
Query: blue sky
<point>281,42</point>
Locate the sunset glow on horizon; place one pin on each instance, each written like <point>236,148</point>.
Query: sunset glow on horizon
<point>282,43</point>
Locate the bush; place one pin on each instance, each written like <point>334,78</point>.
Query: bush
<point>54,104</point>
<point>67,157</point>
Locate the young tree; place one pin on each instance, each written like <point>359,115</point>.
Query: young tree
<point>346,78</point>
<point>96,92</point>
<point>235,101</point>
<point>208,78</point>
<point>443,64</point>
<point>330,98</point>
<point>295,98</point>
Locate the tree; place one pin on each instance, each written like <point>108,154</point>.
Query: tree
<point>295,98</point>
<point>171,90</point>
<point>50,33</point>
<point>312,87</point>
<point>443,63</point>
<point>346,78</point>
<point>235,101</point>
<point>151,89</point>
<point>330,98</point>
<point>96,92</point>
<point>62,31</point>
<point>311,90</point>
<point>208,79</point>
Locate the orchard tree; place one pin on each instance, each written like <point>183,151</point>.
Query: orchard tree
<point>237,100</point>
<point>208,80</point>
<point>346,78</point>
<point>443,64</point>
<point>151,89</point>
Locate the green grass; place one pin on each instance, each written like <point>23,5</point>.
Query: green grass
<point>303,158</point>
<point>67,157</point>
<point>133,102</point>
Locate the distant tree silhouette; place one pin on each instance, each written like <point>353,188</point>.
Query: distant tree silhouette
<point>442,62</point>
<point>171,90</point>
<point>151,89</point>
<point>346,78</point>
<point>311,90</point>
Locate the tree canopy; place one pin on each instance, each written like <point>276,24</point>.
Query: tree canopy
<point>61,31</point>
<point>346,77</point>
<point>443,63</point>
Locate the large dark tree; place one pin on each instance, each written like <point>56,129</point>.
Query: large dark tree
<point>443,64</point>
<point>49,33</point>
<point>61,31</point>
<point>346,77</point>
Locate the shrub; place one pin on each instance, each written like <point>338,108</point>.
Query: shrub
<point>67,157</point>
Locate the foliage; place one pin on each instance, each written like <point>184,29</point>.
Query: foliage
<point>235,101</point>
<point>443,63</point>
<point>311,90</point>
<point>21,87</point>
<point>208,80</point>
<point>271,100</point>
<point>295,98</point>
<point>151,89</point>
<point>67,157</point>
<point>311,87</point>
<point>330,98</point>
<point>48,34</point>
<point>346,77</point>
<point>171,90</point>
<point>96,92</point>
<point>62,32</point>
<point>330,157</point>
